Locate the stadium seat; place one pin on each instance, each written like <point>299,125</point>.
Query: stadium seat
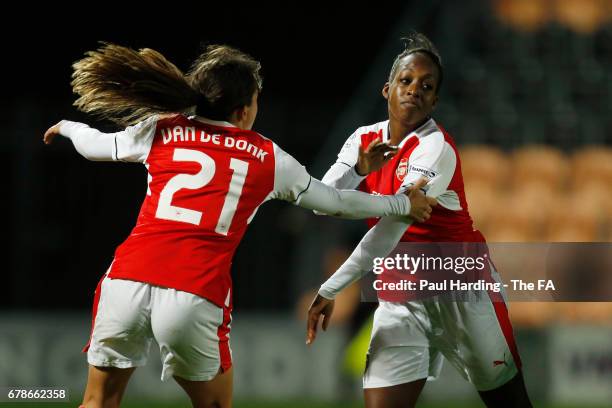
<point>592,163</point>
<point>526,209</point>
<point>484,200</point>
<point>484,164</point>
<point>582,16</point>
<point>541,165</point>
<point>584,312</point>
<point>583,215</point>
<point>532,314</point>
<point>507,231</point>
<point>523,15</point>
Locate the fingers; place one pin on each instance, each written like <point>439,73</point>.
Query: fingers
<point>372,144</point>
<point>389,156</point>
<point>421,217</point>
<point>421,205</point>
<point>51,133</point>
<point>314,314</point>
<point>377,146</point>
<point>311,328</point>
<point>424,216</point>
<point>361,151</point>
<point>420,183</point>
<point>320,306</point>
<point>426,212</point>
<point>48,137</point>
<point>384,149</point>
<point>326,319</point>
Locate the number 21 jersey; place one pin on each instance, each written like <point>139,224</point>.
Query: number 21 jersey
<point>206,180</point>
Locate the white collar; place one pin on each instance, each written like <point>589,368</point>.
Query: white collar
<point>210,121</point>
<point>415,132</point>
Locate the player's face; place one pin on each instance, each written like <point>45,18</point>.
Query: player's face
<point>412,94</point>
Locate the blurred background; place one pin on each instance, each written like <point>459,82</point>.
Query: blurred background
<point>527,95</point>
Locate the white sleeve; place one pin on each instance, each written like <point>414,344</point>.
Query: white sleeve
<point>290,178</point>
<point>132,144</point>
<point>342,173</point>
<point>434,159</point>
<point>352,204</point>
<point>293,183</point>
<point>378,242</point>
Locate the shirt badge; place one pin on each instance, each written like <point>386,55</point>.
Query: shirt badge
<point>402,169</point>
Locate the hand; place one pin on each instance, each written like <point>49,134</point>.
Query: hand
<point>320,306</point>
<point>374,157</point>
<point>51,133</point>
<point>420,204</point>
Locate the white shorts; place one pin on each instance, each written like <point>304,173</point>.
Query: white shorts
<point>192,333</point>
<point>410,340</point>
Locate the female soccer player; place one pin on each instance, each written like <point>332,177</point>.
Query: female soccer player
<point>207,175</point>
<point>410,338</point>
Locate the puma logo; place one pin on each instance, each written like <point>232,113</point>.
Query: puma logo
<point>500,362</point>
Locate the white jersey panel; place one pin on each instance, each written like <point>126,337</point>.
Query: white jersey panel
<point>435,159</point>
<point>290,178</point>
<point>134,143</point>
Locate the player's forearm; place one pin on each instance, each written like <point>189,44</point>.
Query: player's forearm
<point>378,242</point>
<point>342,176</point>
<point>352,204</point>
<point>90,143</point>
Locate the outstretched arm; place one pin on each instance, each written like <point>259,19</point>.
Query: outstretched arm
<point>378,242</point>
<point>132,144</point>
<point>293,183</point>
<point>90,143</point>
<point>351,204</point>
<point>356,204</point>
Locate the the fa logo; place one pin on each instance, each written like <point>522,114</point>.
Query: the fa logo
<point>546,284</point>
<point>402,169</point>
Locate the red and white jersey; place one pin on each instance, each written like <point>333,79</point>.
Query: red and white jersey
<point>206,180</point>
<point>428,151</point>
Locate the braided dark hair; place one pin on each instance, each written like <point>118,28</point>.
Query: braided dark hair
<point>417,42</point>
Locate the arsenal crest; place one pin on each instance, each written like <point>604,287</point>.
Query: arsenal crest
<point>402,169</point>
